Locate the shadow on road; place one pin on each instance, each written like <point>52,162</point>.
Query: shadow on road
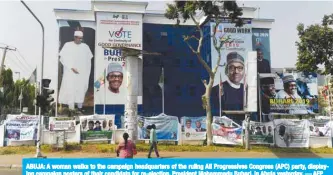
<point>294,153</point>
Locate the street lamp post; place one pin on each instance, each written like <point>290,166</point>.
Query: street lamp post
<point>38,151</point>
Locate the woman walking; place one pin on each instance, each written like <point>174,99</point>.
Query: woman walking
<point>126,149</point>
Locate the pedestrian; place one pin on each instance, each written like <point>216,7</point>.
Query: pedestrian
<point>126,149</point>
<point>153,141</point>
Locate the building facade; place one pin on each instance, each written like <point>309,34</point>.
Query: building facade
<point>152,32</point>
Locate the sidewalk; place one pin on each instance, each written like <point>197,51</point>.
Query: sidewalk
<point>15,161</point>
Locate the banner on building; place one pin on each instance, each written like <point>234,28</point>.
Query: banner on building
<point>21,127</point>
<point>166,127</point>
<point>290,93</point>
<point>291,133</point>
<point>97,127</point>
<point>232,65</point>
<point>320,127</point>
<point>261,133</point>
<point>226,131</point>
<point>61,124</point>
<point>115,30</point>
<point>76,65</point>
<point>194,128</point>
<point>261,44</point>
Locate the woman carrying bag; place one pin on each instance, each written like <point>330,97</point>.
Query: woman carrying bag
<point>126,149</point>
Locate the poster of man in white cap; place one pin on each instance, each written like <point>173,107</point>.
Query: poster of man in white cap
<point>228,90</point>
<point>75,62</point>
<point>114,90</point>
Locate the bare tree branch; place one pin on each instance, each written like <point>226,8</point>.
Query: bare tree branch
<point>198,52</point>
<point>189,45</point>
<point>205,83</point>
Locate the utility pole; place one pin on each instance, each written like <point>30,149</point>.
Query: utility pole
<point>21,98</point>
<point>4,56</point>
<point>38,152</point>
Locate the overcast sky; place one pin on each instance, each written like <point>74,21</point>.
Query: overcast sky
<point>19,29</point>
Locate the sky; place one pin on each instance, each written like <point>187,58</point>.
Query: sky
<point>21,30</point>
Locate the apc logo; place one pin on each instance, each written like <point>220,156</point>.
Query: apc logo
<point>121,34</point>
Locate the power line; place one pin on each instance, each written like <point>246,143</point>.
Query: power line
<point>25,65</point>
<point>19,66</point>
<point>18,51</point>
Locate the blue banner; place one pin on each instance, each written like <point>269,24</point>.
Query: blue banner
<point>166,127</point>
<point>237,166</point>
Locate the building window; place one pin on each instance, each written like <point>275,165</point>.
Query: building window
<point>178,90</point>
<point>192,91</point>
<point>176,62</point>
<point>190,63</point>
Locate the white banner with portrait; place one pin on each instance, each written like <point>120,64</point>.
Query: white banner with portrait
<point>21,127</point>
<point>115,30</point>
<point>61,124</point>
<point>226,131</point>
<point>292,133</point>
<point>194,128</point>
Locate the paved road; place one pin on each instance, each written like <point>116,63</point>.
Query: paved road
<point>10,172</point>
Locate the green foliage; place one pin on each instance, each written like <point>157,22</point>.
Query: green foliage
<point>211,9</point>
<point>11,92</point>
<point>315,46</point>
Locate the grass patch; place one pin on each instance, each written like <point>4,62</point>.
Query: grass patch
<point>108,148</point>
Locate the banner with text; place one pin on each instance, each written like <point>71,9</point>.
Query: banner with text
<point>226,131</point>
<point>115,30</point>
<point>97,127</point>
<point>61,124</point>
<point>233,56</point>
<point>21,127</point>
<point>194,128</point>
<point>261,133</point>
<point>292,133</point>
<point>166,127</point>
<point>291,93</point>
<point>177,166</point>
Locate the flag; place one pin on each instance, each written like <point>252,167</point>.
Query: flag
<point>33,77</point>
<point>161,81</point>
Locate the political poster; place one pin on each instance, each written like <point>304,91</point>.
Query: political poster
<point>231,72</point>
<point>76,66</point>
<point>194,128</point>
<point>291,133</point>
<point>261,133</point>
<point>61,124</point>
<point>166,127</point>
<point>290,94</point>
<point>21,127</point>
<point>319,127</point>
<point>115,30</point>
<point>97,127</point>
<point>261,44</point>
<point>226,131</point>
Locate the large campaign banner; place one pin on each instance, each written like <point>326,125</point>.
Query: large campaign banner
<point>97,127</point>
<point>226,131</point>
<point>290,93</point>
<point>292,133</point>
<point>21,127</point>
<point>231,72</point>
<point>76,65</point>
<point>261,133</point>
<point>166,127</point>
<point>194,128</point>
<point>115,30</point>
<point>62,124</point>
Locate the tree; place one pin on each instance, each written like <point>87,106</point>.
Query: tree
<point>322,102</point>
<point>7,84</point>
<point>315,46</point>
<point>216,10</point>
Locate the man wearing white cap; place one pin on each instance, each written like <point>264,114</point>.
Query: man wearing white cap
<point>75,57</point>
<point>112,93</point>
<point>290,92</point>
